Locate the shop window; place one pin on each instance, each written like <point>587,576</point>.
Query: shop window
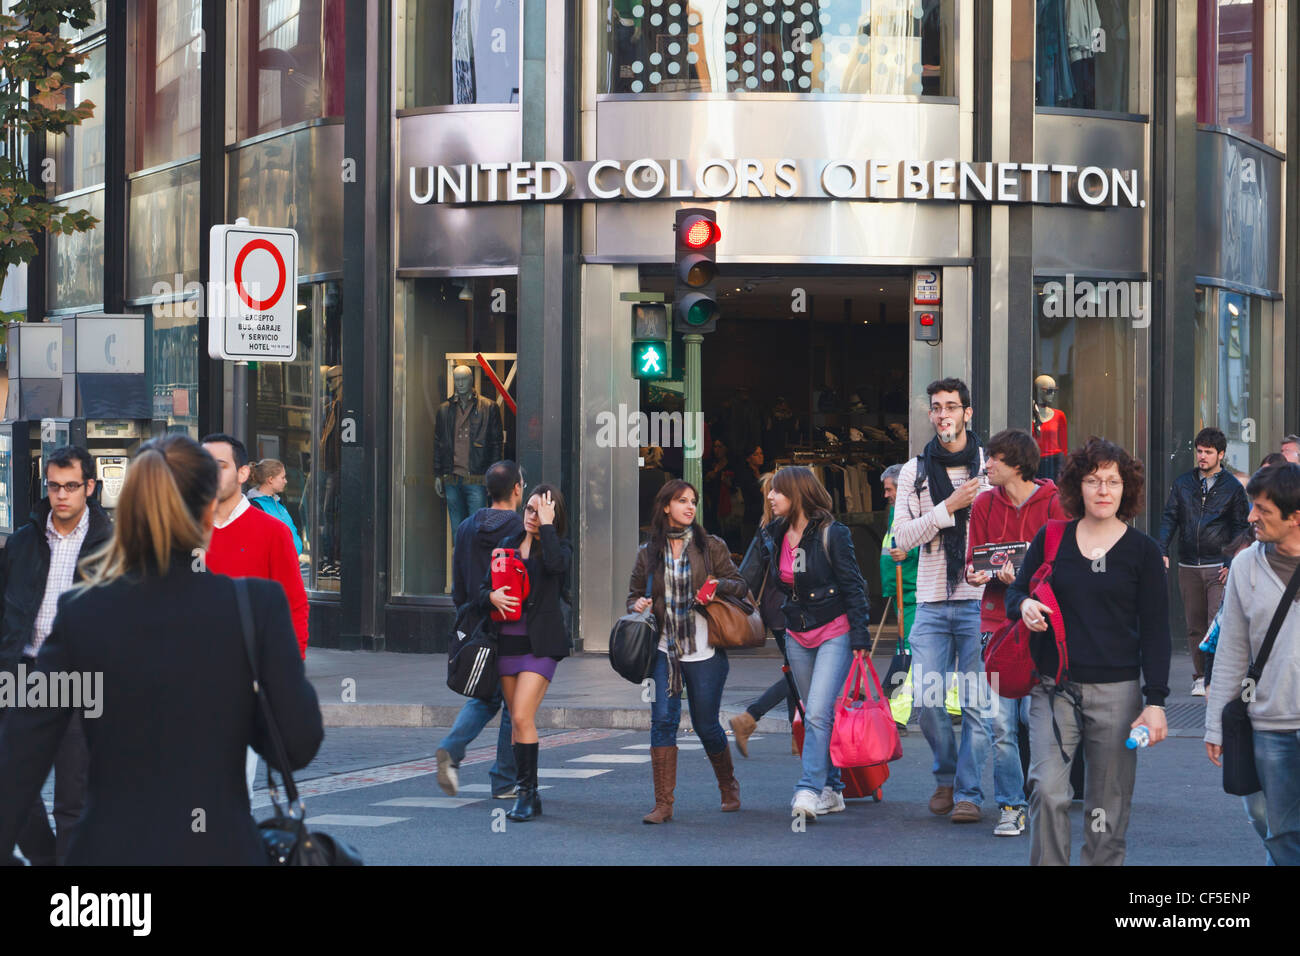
<point>164,48</point>
<point>1231,373</point>
<point>163,232</point>
<point>175,364</point>
<point>294,417</point>
<point>76,261</point>
<point>1088,334</point>
<point>290,63</point>
<point>78,154</point>
<point>881,47</point>
<point>440,324</point>
<point>1229,88</point>
<point>457,52</point>
<point>1088,54</point>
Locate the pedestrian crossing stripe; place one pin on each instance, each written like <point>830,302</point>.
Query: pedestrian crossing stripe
<point>352,820</point>
<point>568,773</point>
<point>611,758</point>
<point>437,803</point>
<point>680,746</point>
<point>484,788</point>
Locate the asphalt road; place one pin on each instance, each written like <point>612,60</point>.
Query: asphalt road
<point>375,788</point>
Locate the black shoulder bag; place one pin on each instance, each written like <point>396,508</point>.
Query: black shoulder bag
<point>285,836</point>
<point>634,642</point>
<point>1239,774</point>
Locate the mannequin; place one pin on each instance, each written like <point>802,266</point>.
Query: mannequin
<point>467,440</point>
<point>1050,428</point>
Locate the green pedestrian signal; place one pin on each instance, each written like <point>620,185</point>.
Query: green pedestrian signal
<point>652,353</point>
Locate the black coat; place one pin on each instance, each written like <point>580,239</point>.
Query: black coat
<point>830,583</point>
<point>548,625</point>
<point>1204,528</point>
<point>763,578</point>
<point>24,567</point>
<point>485,436</point>
<point>178,712</point>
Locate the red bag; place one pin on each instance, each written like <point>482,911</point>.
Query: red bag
<point>864,733</point>
<point>1007,662</point>
<point>858,781</point>
<point>509,569</point>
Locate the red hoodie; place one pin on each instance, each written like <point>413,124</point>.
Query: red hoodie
<point>994,519</point>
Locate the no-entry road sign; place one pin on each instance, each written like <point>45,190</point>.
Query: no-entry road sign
<point>253,293</point>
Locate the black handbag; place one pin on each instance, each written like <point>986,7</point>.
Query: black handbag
<point>1239,774</point>
<point>633,643</point>
<point>285,836</point>
<point>472,657</point>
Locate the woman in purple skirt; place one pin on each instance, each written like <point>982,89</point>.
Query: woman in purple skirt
<point>529,649</point>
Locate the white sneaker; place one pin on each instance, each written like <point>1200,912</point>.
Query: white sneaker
<point>448,776</point>
<point>1198,687</point>
<point>1011,823</point>
<point>805,805</point>
<point>830,801</point>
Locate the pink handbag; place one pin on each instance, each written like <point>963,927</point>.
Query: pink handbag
<point>864,733</point>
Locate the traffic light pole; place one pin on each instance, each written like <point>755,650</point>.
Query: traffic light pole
<point>693,470</point>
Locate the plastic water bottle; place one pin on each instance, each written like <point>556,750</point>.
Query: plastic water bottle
<point>1139,736</point>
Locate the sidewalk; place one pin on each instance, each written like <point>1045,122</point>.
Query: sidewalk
<point>410,690</point>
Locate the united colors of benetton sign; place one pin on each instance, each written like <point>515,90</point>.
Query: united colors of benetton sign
<point>940,180</point>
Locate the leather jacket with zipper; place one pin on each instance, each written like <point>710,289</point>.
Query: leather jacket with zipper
<point>1205,526</point>
<point>829,584</point>
<point>485,436</point>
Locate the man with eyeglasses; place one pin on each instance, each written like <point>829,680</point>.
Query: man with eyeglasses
<point>935,491</point>
<point>38,563</point>
<point>1208,508</point>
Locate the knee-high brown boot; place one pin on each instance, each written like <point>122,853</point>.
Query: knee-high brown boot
<point>727,782</point>
<point>663,764</point>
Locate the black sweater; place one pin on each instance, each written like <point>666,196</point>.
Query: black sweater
<point>1116,617</point>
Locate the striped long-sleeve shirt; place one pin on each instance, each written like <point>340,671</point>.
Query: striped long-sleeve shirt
<point>918,522</point>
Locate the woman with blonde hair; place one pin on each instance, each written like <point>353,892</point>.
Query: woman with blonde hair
<point>268,479</point>
<point>826,616</point>
<point>163,637</point>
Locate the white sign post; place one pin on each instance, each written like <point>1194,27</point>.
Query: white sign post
<point>253,293</point>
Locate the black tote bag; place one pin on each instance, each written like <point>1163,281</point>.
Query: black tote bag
<point>633,643</point>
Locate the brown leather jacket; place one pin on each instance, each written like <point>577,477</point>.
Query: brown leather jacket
<point>717,564</point>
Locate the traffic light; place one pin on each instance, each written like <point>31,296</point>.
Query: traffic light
<point>695,299</point>
<point>652,353</point>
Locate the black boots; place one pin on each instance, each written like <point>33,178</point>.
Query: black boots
<point>527,803</point>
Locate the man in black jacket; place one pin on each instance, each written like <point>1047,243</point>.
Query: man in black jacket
<point>475,538</point>
<point>40,562</point>
<point>1208,508</point>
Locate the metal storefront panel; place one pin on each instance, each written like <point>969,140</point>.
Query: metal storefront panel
<point>1239,214</point>
<point>451,238</point>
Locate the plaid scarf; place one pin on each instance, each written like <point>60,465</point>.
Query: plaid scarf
<point>679,619</point>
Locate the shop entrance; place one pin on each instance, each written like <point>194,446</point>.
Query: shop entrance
<point>806,367</point>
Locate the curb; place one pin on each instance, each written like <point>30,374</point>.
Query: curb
<point>548,718</point>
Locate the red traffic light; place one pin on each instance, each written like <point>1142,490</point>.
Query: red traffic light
<point>697,232</point>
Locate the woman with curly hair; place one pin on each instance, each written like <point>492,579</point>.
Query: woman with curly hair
<point>1109,583</point>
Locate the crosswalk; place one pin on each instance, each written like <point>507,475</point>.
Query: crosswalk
<point>590,766</point>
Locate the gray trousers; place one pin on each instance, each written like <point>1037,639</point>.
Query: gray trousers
<point>1103,726</point>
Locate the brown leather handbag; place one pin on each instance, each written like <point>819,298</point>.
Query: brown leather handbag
<point>734,623</point>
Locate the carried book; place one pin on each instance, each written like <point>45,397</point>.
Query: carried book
<point>992,557</point>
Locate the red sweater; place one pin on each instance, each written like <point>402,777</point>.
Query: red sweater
<point>255,545</point>
<point>994,519</point>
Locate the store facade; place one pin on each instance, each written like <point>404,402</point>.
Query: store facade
<point>491,179</point>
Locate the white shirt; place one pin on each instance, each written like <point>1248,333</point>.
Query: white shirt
<point>234,515</point>
<point>64,549</point>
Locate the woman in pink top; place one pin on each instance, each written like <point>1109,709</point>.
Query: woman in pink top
<point>826,615</point>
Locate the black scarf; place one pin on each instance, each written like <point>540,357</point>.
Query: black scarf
<point>936,460</point>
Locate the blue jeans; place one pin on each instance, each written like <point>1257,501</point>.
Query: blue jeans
<point>946,637</point>
<point>819,674</point>
<point>471,720</point>
<point>1008,774</point>
<point>1277,759</point>
<point>463,501</point>
<point>703,681</point>
<point>1257,814</point>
